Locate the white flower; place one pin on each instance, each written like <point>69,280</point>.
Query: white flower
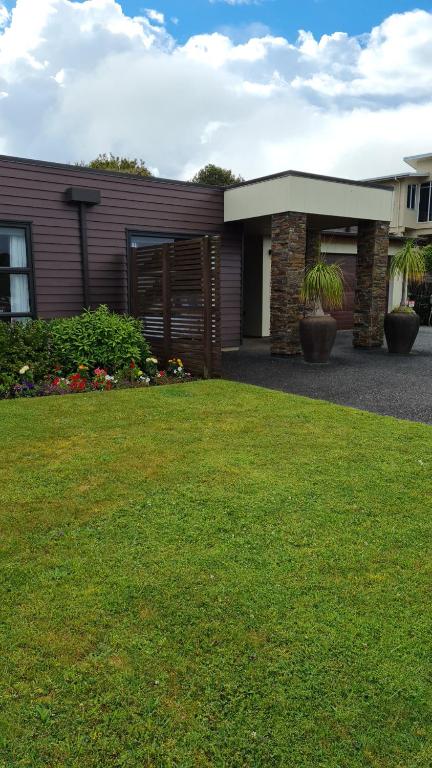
<point>180,368</point>
<point>24,369</point>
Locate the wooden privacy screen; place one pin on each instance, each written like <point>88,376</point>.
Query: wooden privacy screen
<point>175,292</point>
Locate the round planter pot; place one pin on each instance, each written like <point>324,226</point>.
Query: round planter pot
<point>317,336</point>
<point>401,329</point>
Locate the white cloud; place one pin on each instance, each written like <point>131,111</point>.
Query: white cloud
<point>156,16</point>
<point>217,50</point>
<point>78,78</point>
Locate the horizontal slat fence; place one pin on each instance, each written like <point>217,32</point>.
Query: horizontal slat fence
<point>175,292</point>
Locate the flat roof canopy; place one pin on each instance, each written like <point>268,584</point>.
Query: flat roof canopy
<point>322,197</point>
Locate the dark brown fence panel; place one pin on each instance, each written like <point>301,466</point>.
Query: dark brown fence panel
<point>175,292</point>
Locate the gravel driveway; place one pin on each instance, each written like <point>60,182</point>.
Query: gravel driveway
<point>373,380</point>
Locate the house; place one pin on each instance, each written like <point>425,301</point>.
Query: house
<point>412,207</point>
<point>67,234</point>
<point>411,218</point>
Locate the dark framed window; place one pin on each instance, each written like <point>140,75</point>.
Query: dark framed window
<point>16,276</point>
<point>411,196</point>
<point>425,202</point>
<point>138,240</point>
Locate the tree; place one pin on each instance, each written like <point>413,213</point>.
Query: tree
<point>216,176</point>
<point>410,264</point>
<point>117,163</point>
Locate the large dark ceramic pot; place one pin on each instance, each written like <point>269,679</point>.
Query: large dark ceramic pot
<point>401,329</point>
<point>317,336</point>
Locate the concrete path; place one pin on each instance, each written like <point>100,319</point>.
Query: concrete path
<point>372,380</point>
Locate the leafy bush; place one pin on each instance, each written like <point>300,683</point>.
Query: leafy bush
<point>100,338</point>
<point>402,311</point>
<point>23,344</point>
<point>34,351</point>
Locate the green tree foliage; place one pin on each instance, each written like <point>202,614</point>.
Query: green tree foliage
<point>216,176</point>
<point>427,253</point>
<point>112,162</point>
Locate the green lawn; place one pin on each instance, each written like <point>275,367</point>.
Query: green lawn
<point>213,575</point>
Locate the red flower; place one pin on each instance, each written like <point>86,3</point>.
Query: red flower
<point>132,364</point>
<point>56,381</point>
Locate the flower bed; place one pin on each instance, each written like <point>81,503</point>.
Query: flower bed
<point>98,379</point>
<point>93,352</point>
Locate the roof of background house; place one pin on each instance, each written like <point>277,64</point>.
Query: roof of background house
<point>397,176</point>
<point>351,232</point>
<point>412,159</point>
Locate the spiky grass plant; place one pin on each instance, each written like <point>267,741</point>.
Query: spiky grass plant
<point>323,285</point>
<point>410,264</point>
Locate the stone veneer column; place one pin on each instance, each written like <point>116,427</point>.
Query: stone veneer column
<point>287,272</point>
<point>371,287</point>
<point>313,247</point>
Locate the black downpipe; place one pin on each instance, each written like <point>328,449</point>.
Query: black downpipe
<point>83,197</point>
<point>82,214</point>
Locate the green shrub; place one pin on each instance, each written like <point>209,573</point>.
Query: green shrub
<point>23,344</point>
<point>97,338</point>
<point>402,311</point>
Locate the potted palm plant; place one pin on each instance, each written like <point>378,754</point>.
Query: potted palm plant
<point>401,325</point>
<point>322,286</point>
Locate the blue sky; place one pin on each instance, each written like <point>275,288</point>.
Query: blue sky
<point>283,17</point>
<point>109,76</point>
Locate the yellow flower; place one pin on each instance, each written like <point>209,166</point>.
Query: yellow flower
<point>24,369</point>
<point>83,367</point>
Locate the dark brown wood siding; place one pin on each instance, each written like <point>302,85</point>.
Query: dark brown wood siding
<point>34,192</point>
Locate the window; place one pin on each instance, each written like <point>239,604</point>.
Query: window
<point>138,241</point>
<point>425,207</point>
<point>411,196</point>
<point>15,274</point>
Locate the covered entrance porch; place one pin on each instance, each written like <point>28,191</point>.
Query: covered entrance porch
<point>283,217</point>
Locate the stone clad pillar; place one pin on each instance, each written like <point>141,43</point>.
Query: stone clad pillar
<point>371,288</point>
<point>287,273</point>
<point>313,247</point>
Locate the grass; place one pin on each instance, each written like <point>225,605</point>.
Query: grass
<point>213,575</point>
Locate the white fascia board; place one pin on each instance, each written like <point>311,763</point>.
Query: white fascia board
<point>307,195</point>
